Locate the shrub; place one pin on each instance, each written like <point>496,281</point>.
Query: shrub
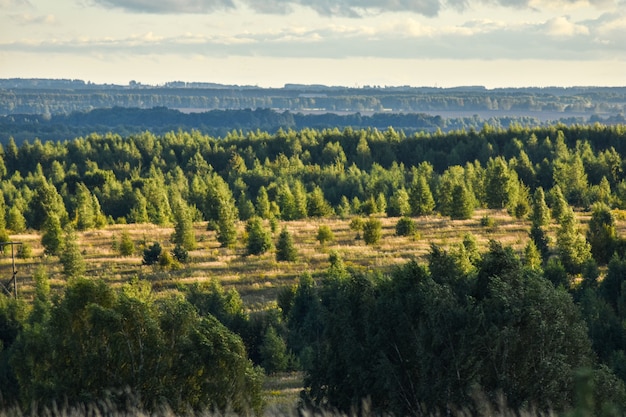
<point>259,238</point>
<point>285,249</point>
<point>405,226</point>
<point>325,234</point>
<point>126,246</point>
<point>151,254</point>
<point>372,231</point>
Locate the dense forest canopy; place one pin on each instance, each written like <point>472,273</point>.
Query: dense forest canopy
<point>415,341</point>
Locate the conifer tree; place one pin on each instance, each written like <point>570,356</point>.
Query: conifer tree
<point>183,225</point>
<point>601,234</point>
<point>71,257</point>
<point>259,238</point>
<point>285,249</point>
<point>15,220</point>
<point>263,207</point>
<point>420,197</point>
<point>52,236</point>
<point>573,249</point>
<point>126,245</point>
<point>462,207</point>
<point>540,213</point>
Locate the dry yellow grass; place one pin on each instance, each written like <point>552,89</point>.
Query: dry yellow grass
<point>258,278</point>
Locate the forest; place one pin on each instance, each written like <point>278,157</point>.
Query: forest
<point>534,324</point>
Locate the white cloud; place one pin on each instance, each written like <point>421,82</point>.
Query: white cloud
<point>563,27</point>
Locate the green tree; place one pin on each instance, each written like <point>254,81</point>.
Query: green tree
<point>601,234</point>
<point>259,238</point>
<point>71,257</point>
<point>317,205</point>
<point>285,249</point>
<point>399,204</point>
<point>540,213</point>
<point>262,205</point>
<point>184,234</point>
<point>500,183</point>
<point>52,235</point>
<point>372,231</point>
<point>274,352</point>
<point>151,254</point>
<point>15,220</point>
<point>462,206</point>
<point>420,197</point>
<point>573,249</point>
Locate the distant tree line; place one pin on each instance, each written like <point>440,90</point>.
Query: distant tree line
<point>218,123</point>
<point>66,96</point>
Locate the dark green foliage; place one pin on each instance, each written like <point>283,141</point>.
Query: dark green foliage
<point>285,249</point>
<point>152,254</point>
<point>540,213</point>
<point>420,198</point>
<point>541,241</point>
<point>180,254</point>
<point>372,231</point>
<point>259,238</point>
<point>418,341</point>
<point>405,226</point>
<point>88,349</point>
<point>573,249</point>
<point>601,234</point>
<point>273,352</point>
<point>462,206</point>
<point>52,236</point>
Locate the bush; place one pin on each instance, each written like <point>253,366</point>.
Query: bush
<point>151,254</point>
<point>405,227</point>
<point>126,246</point>
<point>180,254</point>
<point>324,234</point>
<point>372,231</point>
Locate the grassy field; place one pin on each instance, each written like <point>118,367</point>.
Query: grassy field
<point>258,278</point>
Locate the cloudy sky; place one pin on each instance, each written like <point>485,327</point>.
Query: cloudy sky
<point>496,43</point>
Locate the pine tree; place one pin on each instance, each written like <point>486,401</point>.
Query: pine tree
<point>421,198</point>
<point>15,220</point>
<point>559,205</point>
<point>324,234</point>
<point>532,257</point>
<point>263,207</point>
<point>259,238</point>
<point>52,236</point>
<point>183,226</point>
<point>573,249</point>
<point>71,257</point>
<point>317,204</point>
<point>285,249</point>
<point>601,233</point>
<point>462,207</point>
<point>83,208</point>
<point>540,213</point>
<point>226,224</point>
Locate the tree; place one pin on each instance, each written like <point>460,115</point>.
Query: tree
<point>399,204</point>
<point>573,249</point>
<point>262,206</point>
<point>183,226</point>
<point>500,183</point>
<point>259,238</point>
<point>285,249</point>
<point>273,352</point>
<point>420,197</point>
<point>540,213</point>
<point>52,236</point>
<point>462,207</point>
<point>372,231</point>
<point>601,233</point>
<point>71,257</point>
<point>317,204</point>
<point>15,220</point>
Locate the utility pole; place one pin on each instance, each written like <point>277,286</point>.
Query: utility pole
<point>13,279</point>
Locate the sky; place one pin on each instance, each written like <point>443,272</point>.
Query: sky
<point>354,43</point>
